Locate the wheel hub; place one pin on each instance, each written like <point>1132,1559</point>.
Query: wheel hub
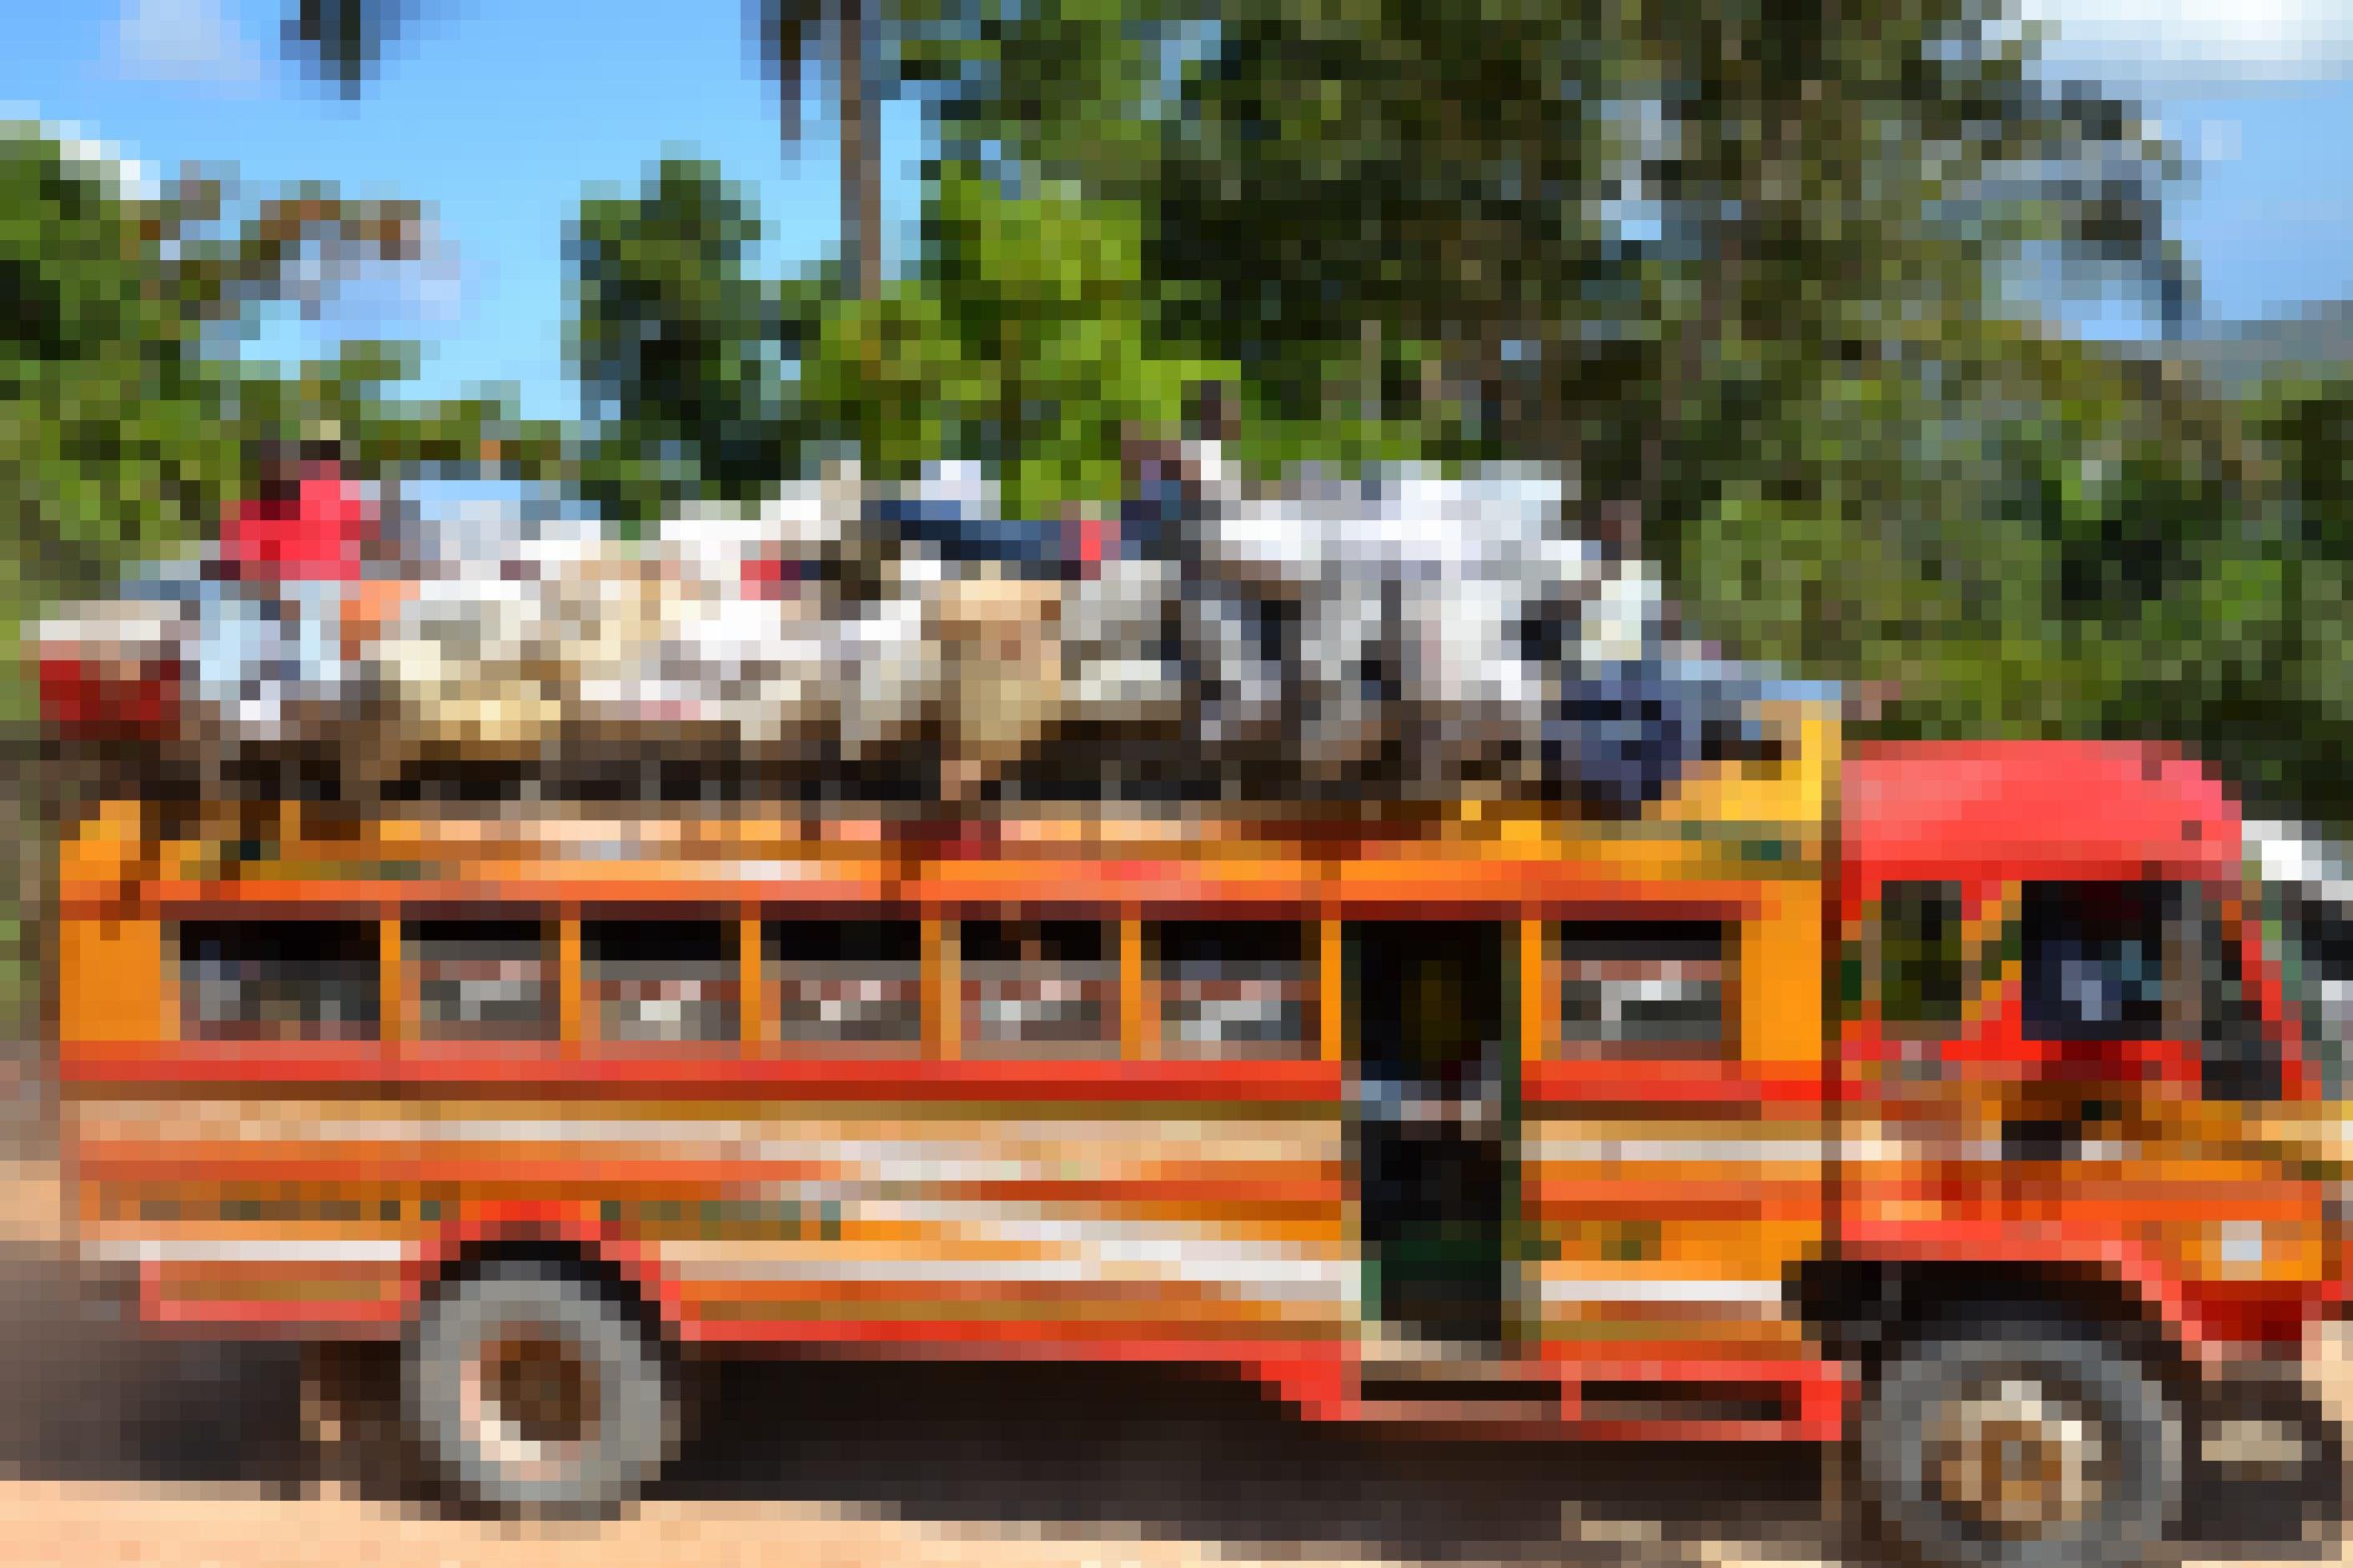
<point>530,1399</point>
<point>2016,1460</point>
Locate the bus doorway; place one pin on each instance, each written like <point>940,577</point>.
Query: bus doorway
<point>1435,1069</point>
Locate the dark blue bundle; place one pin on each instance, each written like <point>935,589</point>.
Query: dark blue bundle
<point>1621,736</point>
<point>1031,549</point>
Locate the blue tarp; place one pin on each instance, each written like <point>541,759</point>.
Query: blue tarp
<point>1034,548</point>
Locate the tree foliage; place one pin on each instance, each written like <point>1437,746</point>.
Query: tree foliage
<point>676,344</point>
<point>1025,341</point>
<point>1024,338</point>
<point>129,422</point>
<point>1775,278</point>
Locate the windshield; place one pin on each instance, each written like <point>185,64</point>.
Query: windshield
<point>2144,962</point>
<point>2315,941</point>
<point>2307,907</point>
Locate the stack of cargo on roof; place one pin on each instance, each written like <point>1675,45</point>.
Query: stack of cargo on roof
<point>1408,634</point>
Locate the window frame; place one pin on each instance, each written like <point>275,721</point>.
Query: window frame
<point>596,1032</point>
<point>776,1034</point>
<point>185,987</point>
<point>2242,1055</point>
<point>1963,954</point>
<point>1099,980</point>
<point>1567,1041</point>
<point>1297,993</point>
<point>414,1027</point>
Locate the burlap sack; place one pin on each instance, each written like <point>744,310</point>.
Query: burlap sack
<point>1001,661</point>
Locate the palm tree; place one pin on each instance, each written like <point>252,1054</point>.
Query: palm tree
<point>342,40</point>
<point>789,33</point>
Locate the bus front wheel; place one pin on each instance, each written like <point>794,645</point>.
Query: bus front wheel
<point>2018,1442</point>
<point>529,1392</point>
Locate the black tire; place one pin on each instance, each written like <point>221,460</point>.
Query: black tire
<point>2087,1450</point>
<point>530,1393</point>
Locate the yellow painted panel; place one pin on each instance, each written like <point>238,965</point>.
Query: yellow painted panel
<point>94,857</point>
<point>1780,982</point>
<point>1137,1030</point>
<point>1539,1010</point>
<point>392,982</point>
<point>569,989</point>
<point>111,980</point>
<point>943,990</point>
<point>1331,1010</point>
<point>752,990</point>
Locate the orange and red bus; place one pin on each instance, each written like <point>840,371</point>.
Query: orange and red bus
<point>1941,1095</point>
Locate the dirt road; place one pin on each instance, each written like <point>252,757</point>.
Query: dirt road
<point>122,1449</point>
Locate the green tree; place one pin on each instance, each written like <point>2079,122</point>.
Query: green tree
<point>2281,615</point>
<point>1384,212</point>
<point>1027,340</point>
<point>1624,237</point>
<point>1842,187</point>
<point>677,346</point>
<point>1772,279</point>
<point>122,404</point>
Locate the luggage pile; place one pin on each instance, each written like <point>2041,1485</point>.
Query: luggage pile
<point>1401,635</point>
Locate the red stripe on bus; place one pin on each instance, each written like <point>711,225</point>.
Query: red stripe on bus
<point>368,1064</point>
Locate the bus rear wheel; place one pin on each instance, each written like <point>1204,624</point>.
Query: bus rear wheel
<point>2019,1443</point>
<point>530,1393</point>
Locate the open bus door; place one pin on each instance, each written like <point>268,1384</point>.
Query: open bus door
<point>1436,1137</point>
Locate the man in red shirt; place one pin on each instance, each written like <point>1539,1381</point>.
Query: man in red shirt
<point>308,524</point>
<point>296,554</point>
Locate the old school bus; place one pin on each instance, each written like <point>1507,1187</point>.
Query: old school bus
<point>1489,1118</point>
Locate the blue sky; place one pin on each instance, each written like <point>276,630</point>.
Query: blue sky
<point>501,113</point>
<point>2270,219</point>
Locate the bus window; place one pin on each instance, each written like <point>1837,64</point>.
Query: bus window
<point>1645,990</point>
<point>480,979</point>
<point>2144,962</point>
<point>278,980</point>
<point>660,979</point>
<point>1921,964</point>
<point>1038,988</point>
<point>2094,960</point>
<point>1231,990</point>
<point>847,981</point>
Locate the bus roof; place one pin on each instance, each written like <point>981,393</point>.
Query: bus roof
<point>1950,810</point>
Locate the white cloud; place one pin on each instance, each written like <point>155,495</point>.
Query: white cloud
<point>2198,46</point>
<point>183,40</point>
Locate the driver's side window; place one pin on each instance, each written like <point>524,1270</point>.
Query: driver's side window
<point>2095,960</point>
<point>2144,961</point>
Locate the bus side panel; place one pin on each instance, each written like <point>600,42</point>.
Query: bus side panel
<point>1040,1222</point>
<point>1053,1222</point>
<point>1671,1201</point>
